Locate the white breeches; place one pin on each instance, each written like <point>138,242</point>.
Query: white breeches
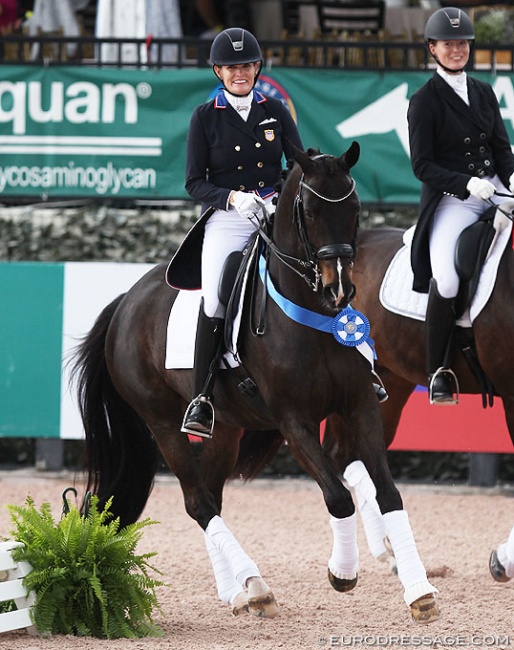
<point>225,232</point>
<point>451,217</point>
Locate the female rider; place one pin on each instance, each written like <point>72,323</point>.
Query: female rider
<point>461,153</point>
<point>235,147</point>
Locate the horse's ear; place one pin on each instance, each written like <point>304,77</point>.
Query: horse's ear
<point>301,157</point>
<point>351,156</point>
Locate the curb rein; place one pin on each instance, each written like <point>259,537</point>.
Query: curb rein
<point>330,251</point>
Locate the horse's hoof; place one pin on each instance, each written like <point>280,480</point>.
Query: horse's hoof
<point>341,584</point>
<point>261,601</point>
<point>425,609</point>
<point>264,606</point>
<point>497,569</point>
<point>240,604</point>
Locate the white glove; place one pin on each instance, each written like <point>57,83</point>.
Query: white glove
<point>247,204</point>
<point>480,188</point>
<point>511,184</point>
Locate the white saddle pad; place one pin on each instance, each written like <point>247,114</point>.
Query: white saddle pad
<point>181,333</point>
<point>397,296</point>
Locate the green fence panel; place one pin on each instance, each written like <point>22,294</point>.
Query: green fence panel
<point>30,349</point>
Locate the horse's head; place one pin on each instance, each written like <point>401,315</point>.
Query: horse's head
<point>326,214</point>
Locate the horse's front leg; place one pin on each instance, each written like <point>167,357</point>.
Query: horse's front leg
<point>419,594</point>
<point>378,496</point>
<point>338,443</point>
<point>343,564</point>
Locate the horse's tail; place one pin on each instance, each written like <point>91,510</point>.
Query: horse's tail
<point>121,457</point>
<point>256,450</point>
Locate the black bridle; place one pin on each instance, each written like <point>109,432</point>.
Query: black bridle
<point>327,252</point>
<point>312,256</point>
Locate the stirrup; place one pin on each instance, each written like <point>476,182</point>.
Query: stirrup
<point>199,400</point>
<point>437,373</point>
<point>379,388</point>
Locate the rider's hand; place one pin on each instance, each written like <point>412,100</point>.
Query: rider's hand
<point>480,188</point>
<point>247,204</point>
<point>511,184</point>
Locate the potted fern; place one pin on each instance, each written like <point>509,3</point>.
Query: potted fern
<point>86,575</point>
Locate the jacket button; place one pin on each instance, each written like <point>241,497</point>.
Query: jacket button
<point>258,145</point>
<point>467,140</point>
<point>237,147</point>
<point>260,164</point>
<point>471,166</point>
<point>242,188</point>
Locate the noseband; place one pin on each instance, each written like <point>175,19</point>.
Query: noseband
<point>330,251</point>
<point>327,252</point>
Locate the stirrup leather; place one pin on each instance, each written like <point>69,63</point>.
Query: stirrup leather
<point>204,400</point>
<point>444,371</point>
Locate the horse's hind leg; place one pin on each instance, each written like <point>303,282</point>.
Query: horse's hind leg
<point>243,590</point>
<point>232,568</point>
<point>238,579</point>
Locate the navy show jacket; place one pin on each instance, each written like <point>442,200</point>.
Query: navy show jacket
<point>226,153</point>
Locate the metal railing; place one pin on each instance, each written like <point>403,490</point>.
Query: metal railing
<point>364,54</point>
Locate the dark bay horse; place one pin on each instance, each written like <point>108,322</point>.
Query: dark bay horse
<point>131,404</point>
<point>400,341</point>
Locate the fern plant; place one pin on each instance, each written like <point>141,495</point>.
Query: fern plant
<point>86,575</point>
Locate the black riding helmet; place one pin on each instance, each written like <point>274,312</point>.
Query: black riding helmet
<point>235,46</point>
<point>449,24</point>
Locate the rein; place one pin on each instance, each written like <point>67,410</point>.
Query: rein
<point>330,251</point>
<point>504,212</point>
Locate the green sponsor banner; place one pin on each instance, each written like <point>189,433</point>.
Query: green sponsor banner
<point>30,349</point>
<point>121,133</point>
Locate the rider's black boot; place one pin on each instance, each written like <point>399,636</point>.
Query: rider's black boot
<point>199,417</point>
<point>440,324</point>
